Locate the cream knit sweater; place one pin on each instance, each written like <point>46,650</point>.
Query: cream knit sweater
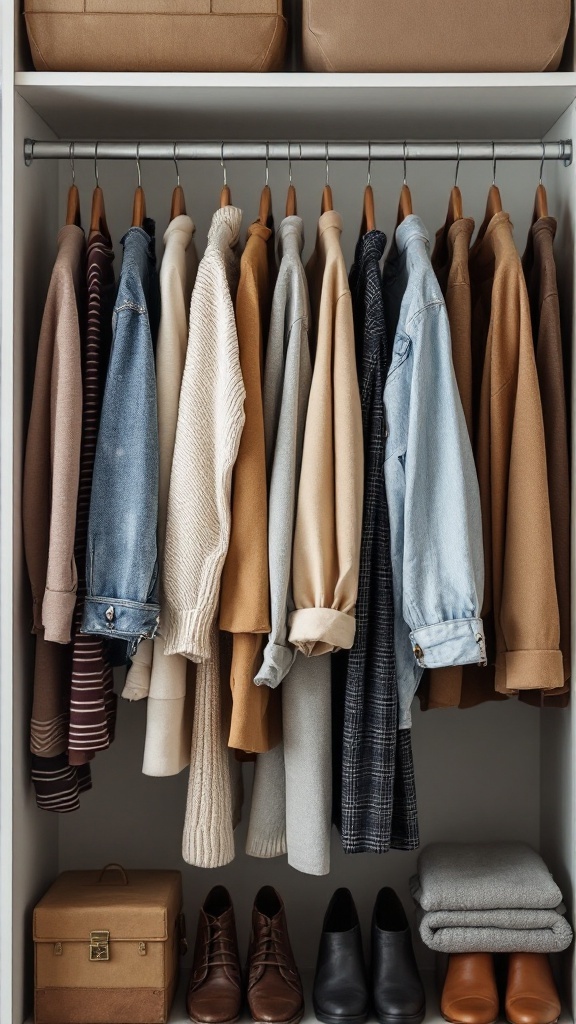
<point>153,674</point>
<point>210,422</point>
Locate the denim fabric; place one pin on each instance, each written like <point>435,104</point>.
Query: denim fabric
<point>431,483</point>
<point>121,562</point>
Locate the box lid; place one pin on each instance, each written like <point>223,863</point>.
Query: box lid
<point>132,905</point>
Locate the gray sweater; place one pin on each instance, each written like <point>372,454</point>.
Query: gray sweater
<point>287,378</point>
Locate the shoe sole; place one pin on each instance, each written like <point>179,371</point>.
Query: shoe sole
<point>416,1018</point>
<point>551,1022</point>
<point>325,1019</point>
<point>295,1020</point>
<point>233,1020</point>
<point>450,1021</point>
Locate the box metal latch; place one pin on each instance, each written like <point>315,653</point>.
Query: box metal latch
<point>99,945</point>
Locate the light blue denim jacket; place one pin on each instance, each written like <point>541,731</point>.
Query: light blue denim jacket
<point>121,560</point>
<point>431,483</point>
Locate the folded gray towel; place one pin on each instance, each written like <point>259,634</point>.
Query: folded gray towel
<point>494,931</point>
<point>483,876</point>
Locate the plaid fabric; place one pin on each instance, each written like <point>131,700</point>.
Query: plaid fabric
<point>378,797</point>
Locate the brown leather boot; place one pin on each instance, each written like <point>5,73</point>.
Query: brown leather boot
<point>470,995</point>
<point>274,987</point>
<point>215,987</point>
<point>531,994</point>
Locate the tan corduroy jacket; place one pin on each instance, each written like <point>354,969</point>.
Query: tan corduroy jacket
<point>520,602</point>
<point>329,512</point>
<point>52,463</point>
<point>245,596</point>
<point>540,274</point>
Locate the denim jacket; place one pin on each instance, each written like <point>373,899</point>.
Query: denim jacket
<point>121,561</point>
<point>431,483</point>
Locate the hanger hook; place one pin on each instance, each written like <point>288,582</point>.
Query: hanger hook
<point>457,165</point>
<point>267,171</point>
<point>327,165</point>
<point>289,164</point>
<point>369,179</point>
<point>175,159</point>
<point>138,165</point>
<point>96,174</point>
<point>493,163</point>
<point>71,155</point>
<point>405,158</point>
<point>223,164</point>
<point>543,144</point>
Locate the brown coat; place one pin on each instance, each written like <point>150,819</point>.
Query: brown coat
<point>245,599</point>
<point>540,274</point>
<point>52,463</point>
<point>520,604</point>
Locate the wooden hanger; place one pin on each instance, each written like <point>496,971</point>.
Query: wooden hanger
<point>327,200</point>
<point>541,199</point>
<point>139,207</point>
<point>265,208</point>
<point>225,196</point>
<point>73,204</point>
<point>98,212</point>
<point>368,213</point>
<point>178,206</point>
<point>405,202</point>
<point>291,200</point>
<point>493,203</point>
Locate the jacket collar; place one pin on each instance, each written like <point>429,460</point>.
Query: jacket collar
<point>410,228</point>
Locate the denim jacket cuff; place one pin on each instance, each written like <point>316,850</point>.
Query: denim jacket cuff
<point>57,615</point>
<point>529,670</point>
<point>453,642</point>
<point>278,660</point>
<point>188,633</point>
<point>316,631</point>
<point>120,619</point>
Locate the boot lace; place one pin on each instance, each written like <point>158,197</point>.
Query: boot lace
<point>268,951</point>
<point>220,948</point>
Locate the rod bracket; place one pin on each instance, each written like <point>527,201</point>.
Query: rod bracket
<point>28,151</point>
<point>567,151</point>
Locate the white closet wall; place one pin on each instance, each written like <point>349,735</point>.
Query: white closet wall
<point>494,772</point>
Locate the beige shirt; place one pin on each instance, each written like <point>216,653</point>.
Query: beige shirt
<point>52,463</point>
<point>329,512</point>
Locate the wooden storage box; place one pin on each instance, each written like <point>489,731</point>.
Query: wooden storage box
<point>107,946</point>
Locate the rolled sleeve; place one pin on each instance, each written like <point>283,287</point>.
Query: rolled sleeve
<point>454,642</point>
<point>316,631</point>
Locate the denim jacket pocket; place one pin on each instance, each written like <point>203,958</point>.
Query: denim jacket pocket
<point>397,399</point>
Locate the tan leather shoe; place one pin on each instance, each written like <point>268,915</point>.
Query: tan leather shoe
<point>215,987</point>
<point>274,987</point>
<point>470,995</point>
<point>531,994</point>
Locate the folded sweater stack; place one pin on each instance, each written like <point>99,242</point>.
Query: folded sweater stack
<point>488,898</point>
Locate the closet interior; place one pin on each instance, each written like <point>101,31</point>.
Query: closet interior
<point>496,772</point>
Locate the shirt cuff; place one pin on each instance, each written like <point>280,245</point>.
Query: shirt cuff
<point>57,614</point>
<point>125,620</point>
<point>453,642</point>
<point>278,660</point>
<point>316,631</point>
<point>529,670</point>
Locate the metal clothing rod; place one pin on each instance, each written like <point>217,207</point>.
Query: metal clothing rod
<point>483,150</point>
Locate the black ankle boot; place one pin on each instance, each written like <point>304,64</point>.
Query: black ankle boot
<point>340,986</point>
<point>397,988</point>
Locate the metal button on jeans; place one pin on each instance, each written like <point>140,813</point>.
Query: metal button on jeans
<point>418,652</point>
<point>110,613</point>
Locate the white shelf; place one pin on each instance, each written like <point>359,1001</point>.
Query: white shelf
<point>433,1015</point>
<point>121,105</point>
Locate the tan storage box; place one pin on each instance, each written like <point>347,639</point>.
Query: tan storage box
<point>156,35</point>
<point>434,35</point>
<point>107,947</point>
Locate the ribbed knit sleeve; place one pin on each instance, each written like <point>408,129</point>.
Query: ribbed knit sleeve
<point>210,422</point>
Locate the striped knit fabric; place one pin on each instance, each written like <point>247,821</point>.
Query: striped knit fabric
<point>92,697</point>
